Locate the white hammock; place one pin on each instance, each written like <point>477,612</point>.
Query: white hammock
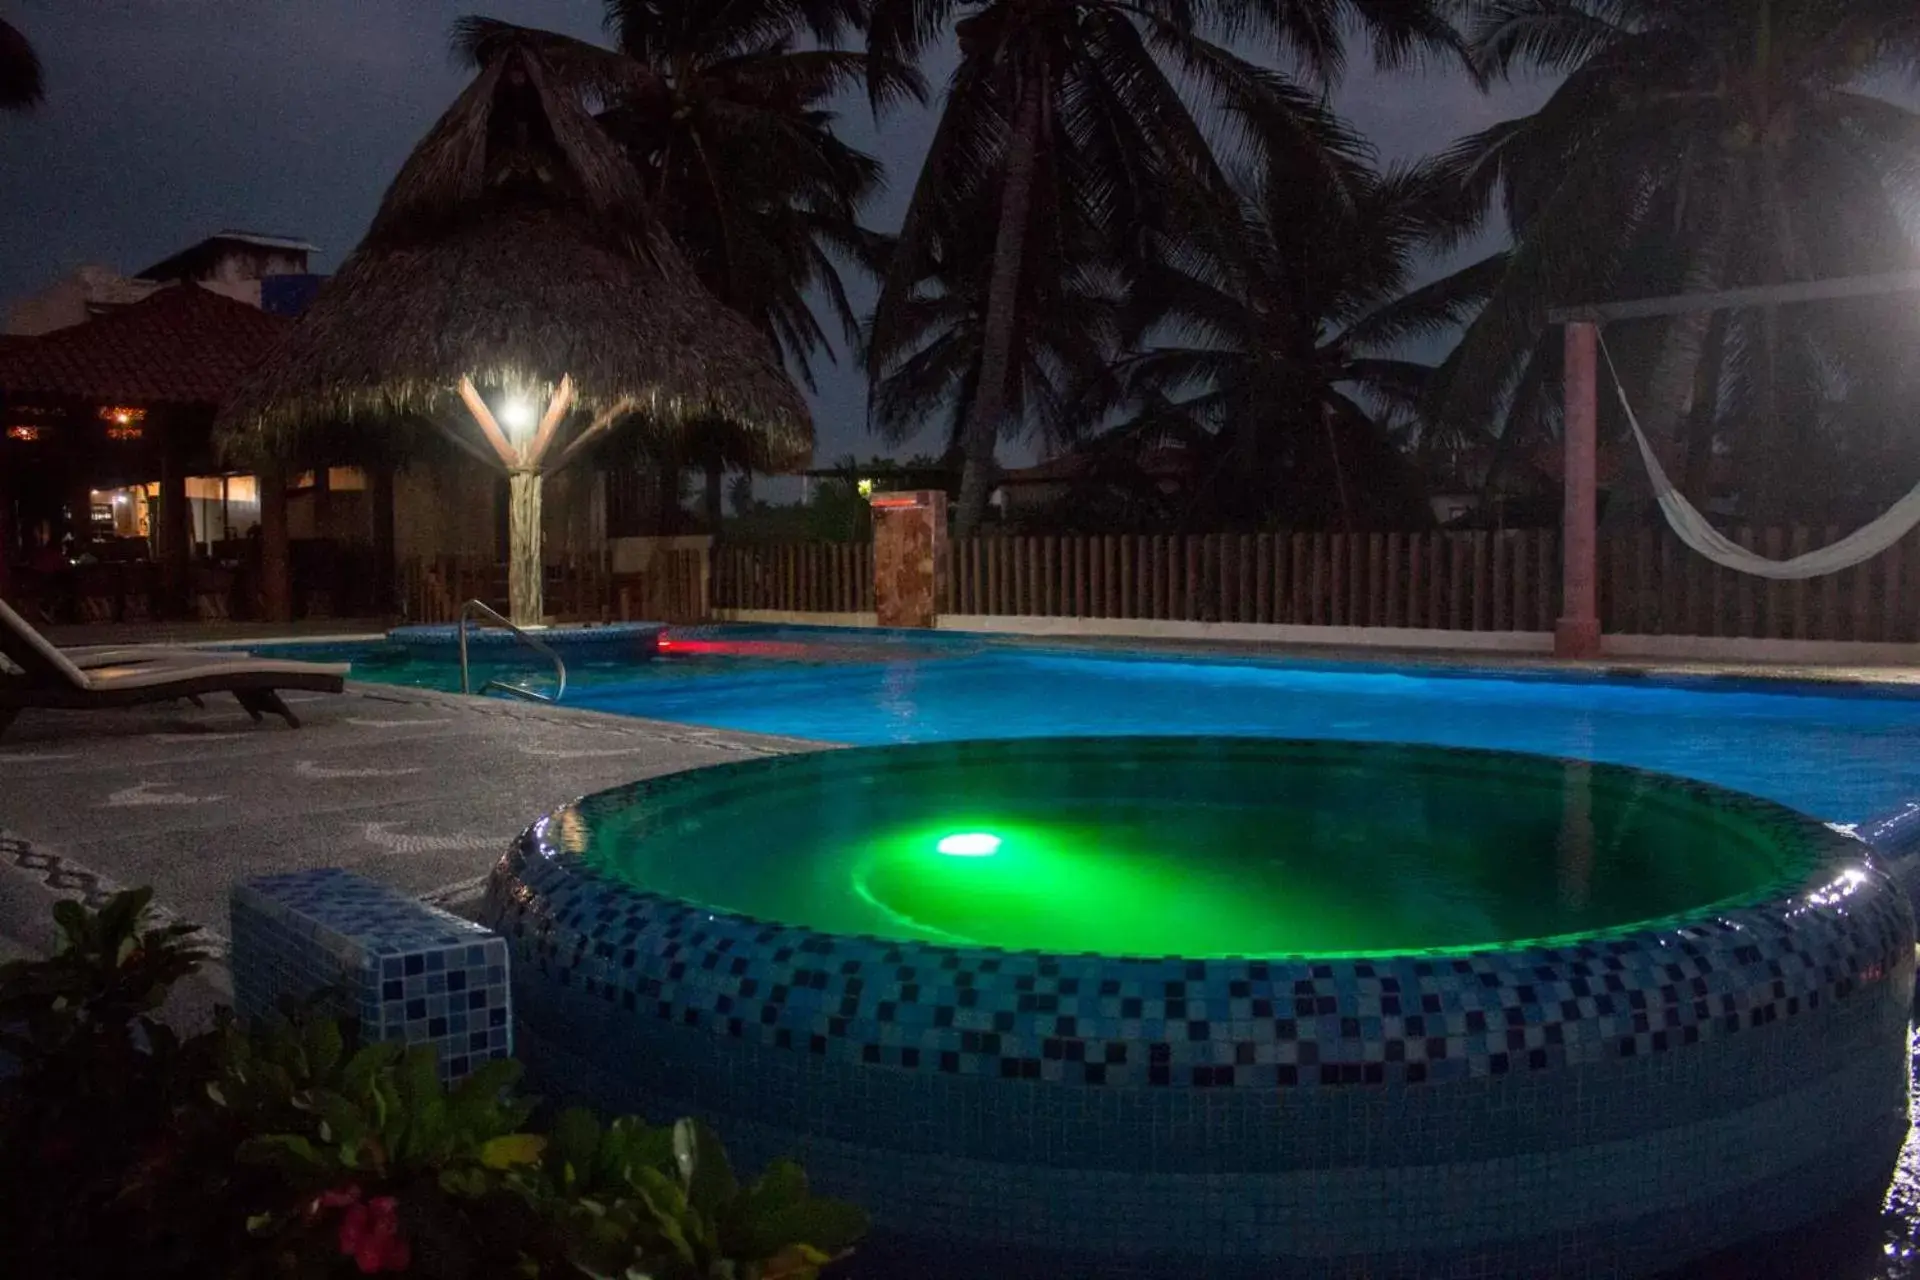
<point>1691,527</point>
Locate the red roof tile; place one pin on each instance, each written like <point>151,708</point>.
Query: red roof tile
<point>182,345</point>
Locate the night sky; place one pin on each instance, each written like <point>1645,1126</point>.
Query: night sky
<point>167,120</point>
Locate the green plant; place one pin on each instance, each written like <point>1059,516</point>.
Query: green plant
<point>629,1199</point>
<point>288,1148</point>
<point>95,1106</point>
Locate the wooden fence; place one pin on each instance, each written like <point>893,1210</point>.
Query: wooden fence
<point>432,589</point>
<point>802,577</point>
<point>671,589</point>
<point>1481,581</point>
<point>1650,584</point>
<point>1505,581</point>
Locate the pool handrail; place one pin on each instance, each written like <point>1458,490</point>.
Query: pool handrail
<point>488,614</point>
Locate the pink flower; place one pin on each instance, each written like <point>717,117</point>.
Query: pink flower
<point>370,1235</point>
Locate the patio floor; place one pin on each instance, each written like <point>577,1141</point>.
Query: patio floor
<point>417,789</point>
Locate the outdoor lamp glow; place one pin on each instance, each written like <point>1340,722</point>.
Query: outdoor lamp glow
<point>516,415</point>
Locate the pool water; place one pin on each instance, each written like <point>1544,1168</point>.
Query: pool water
<point>1198,847</point>
<point>1838,755</point>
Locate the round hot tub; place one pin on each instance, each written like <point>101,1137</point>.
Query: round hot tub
<point>1194,1006</point>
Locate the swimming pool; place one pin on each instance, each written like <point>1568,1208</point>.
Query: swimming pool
<point>1843,754</point>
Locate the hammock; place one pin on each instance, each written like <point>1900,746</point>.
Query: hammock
<point>1692,528</point>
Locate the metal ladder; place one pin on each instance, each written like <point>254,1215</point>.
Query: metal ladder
<point>487,614</point>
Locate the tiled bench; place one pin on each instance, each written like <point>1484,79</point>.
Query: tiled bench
<point>408,971</point>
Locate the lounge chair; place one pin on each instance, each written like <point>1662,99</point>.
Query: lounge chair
<point>49,678</point>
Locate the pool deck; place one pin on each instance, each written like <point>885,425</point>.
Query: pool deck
<point>418,789</point>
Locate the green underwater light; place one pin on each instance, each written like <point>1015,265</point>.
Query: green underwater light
<point>969,844</point>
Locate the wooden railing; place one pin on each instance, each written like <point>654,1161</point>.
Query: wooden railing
<point>803,577</point>
<point>1503,581</point>
<point>432,589</point>
<point>672,588</point>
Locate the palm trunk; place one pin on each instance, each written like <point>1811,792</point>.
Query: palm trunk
<point>996,354</point>
<point>1697,478</point>
<point>526,605</point>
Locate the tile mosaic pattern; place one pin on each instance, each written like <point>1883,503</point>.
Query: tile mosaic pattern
<point>1604,1107</point>
<point>406,970</point>
<point>1200,1024</point>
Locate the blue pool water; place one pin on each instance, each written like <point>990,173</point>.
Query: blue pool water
<point>1841,755</point>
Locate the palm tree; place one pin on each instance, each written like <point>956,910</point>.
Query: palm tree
<point>1066,115</point>
<point>1693,145</point>
<point>927,359</point>
<point>1271,344</point>
<point>21,86</point>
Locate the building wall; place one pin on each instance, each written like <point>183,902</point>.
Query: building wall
<point>242,264</point>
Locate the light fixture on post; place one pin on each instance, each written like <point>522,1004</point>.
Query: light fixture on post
<point>516,415</point>
<point>521,446</point>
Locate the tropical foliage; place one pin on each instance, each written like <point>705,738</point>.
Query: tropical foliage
<point>289,1148</point>
<point>1068,129</point>
<point>1280,370</point>
<point>1696,146</point>
<point>1138,227</point>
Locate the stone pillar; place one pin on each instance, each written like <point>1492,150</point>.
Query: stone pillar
<point>1578,634</point>
<point>276,569</point>
<point>909,557</point>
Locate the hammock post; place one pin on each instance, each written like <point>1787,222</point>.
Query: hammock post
<point>1578,633</point>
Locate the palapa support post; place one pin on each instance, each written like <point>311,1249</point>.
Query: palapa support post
<point>1578,632</point>
<point>526,588</point>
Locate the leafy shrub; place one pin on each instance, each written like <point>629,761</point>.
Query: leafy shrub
<point>288,1148</point>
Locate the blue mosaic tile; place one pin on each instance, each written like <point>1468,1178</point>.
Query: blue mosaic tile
<point>404,969</point>
<point>1520,1111</point>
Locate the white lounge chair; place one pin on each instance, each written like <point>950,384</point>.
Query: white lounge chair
<point>124,678</point>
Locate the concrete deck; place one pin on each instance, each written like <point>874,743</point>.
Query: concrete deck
<point>420,790</point>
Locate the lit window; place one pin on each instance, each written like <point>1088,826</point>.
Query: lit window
<point>23,431</point>
<point>118,432</point>
<point>122,415</point>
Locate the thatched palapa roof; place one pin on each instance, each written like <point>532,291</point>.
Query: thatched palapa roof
<point>515,247</point>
